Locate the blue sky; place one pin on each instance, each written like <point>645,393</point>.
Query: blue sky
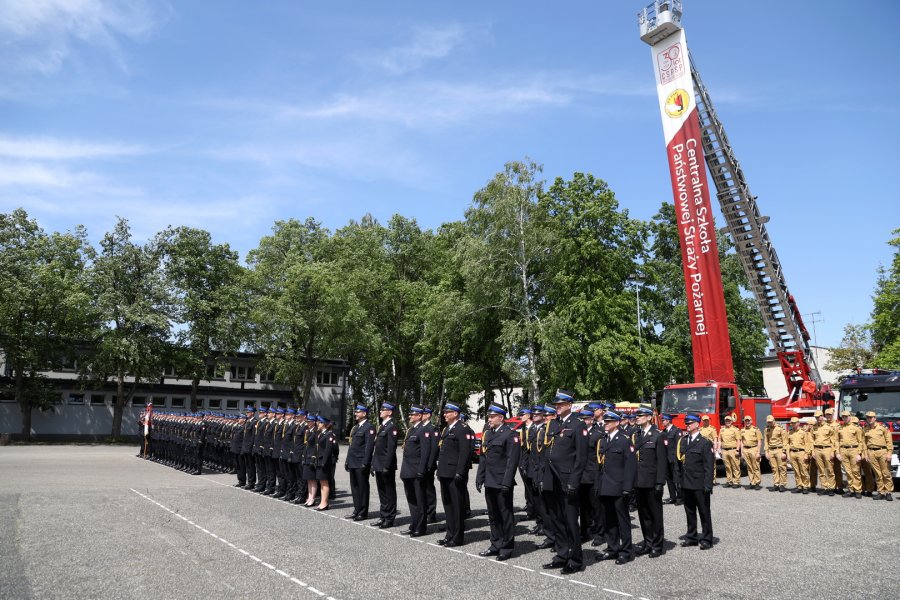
<point>231,115</point>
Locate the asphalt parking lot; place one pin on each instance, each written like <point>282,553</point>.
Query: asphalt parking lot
<point>96,522</point>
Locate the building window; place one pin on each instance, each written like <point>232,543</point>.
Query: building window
<point>98,399</point>
<point>266,405</point>
<point>214,404</point>
<point>214,371</point>
<point>231,405</point>
<point>243,373</point>
<point>138,400</point>
<point>267,376</point>
<point>158,401</point>
<point>326,378</point>
<point>75,399</point>
<point>177,402</point>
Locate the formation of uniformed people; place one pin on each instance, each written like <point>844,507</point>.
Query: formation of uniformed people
<point>582,469</point>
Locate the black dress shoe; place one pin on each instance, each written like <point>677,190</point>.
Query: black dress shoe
<point>670,501</point>
<point>555,564</point>
<point>377,523</point>
<point>596,543</point>
<point>655,554</point>
<point>386,524</point>
<point>489,553</point>
<point>361,518</point>
<point>502,557</point>
<point>407,532</point>
<point>689,543</point>
<point>239,484</point>
<point>452,544</point>
<point>679,502</point>
<point>350,516</point>
<point>640,550</point>
<point>705,545</point>
<point>606,556</point>
<point>569,569</point>
<point>321,508</point>
<point>417,534</point>
<point>442,542</point>
<point>624,558</point>
<point>544,545</point>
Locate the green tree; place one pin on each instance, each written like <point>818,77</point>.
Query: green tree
<point>135,308</point>
<point>303,310</point>
<point>44,305</point>
<point>506,250</point>
<point>590,336</point>
<point>855,352</point>
<point>209,302</point>
<point>886,312</point>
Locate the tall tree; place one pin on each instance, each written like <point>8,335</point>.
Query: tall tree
<point>134,308</point>
<point>302,308</point>
<point>44,305</point>
<point>886,311</point>
<point>855,351</point>
<point>590,339</point>
<point>506,255</point>
<point>209,302</point>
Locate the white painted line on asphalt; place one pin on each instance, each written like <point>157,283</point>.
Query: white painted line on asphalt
<point>241,550</point>
<point>436,545</point>
<point>450,549</point>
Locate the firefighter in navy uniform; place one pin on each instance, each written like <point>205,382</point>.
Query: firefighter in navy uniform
<point>295,459</point>
<point>670,437</point>
<point>525,413</point>
<point>384,466</point>
<point>562,478</point>
<point>615,484</point>
<point>237,442</point>
<point>500,450</point>
<point>652,462</point>
<point>455,448</point>
<point>416,458</point>
<point>359,462</point>
<point>247,458</point>
<point>587,499</point>
<point>432,435</point>
<point>471,435</point>
<point>697,458</point>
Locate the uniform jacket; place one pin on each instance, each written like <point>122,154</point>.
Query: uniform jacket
<point>670,438</point>
<point>619,467</point>
<point>455,449</point>
<point>249,435</point>
<point>500,452</point>
<point>416,452</point>
<point>326,448</point>
<point>237,438</point>
<point>433,438</point>
<point>652,457</point>
<point>362,444</point>
<point>568,454</point>
<point>698,461</point>
<point>592,466</point>
<point>384,457</point>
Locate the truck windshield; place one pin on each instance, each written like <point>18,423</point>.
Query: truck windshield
<point>884,402</point>
<point>689,400</point>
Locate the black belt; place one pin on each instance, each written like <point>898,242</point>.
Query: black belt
<point>776,447</point>
<point>878,448</point>
<point>733,448</point>
<point>797,450</point>
<point>829,446</point>
<point>857,446</point>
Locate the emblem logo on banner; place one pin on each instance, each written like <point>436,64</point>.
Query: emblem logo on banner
<point>677,103</point>
<point>671,63</point>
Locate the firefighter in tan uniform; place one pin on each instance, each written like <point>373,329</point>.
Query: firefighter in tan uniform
<point>710,433</point>
<point>750,446</point>
<point>878,448</point>
<point>824,442</point>
<point>800,447</point>
<point>865,469</point>
<point>851,453</point>
<point>776,439</point>
<point>729,440</point>
<point>835,421</point>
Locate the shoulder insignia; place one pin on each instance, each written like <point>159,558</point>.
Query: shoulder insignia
<point>515,439</point>
<point>584,432</point>
<point>631,448</point>
<point>395,432</point>
<point>426,434</point>
<point>371,431</point>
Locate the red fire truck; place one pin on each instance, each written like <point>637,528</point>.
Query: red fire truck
<point>696,140</point>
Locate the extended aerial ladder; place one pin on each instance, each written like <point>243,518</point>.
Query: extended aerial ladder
<point>659,23</point>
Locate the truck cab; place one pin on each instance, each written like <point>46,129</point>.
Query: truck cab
<point>879,393</point>
<point>715,400</point>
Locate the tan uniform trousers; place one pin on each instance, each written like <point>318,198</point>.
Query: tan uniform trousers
<point>801,468</point>
<point>732,466</point>
<point>880,461</point>
<point>824,467</point>
<point>848,460</point>
<point>779,466</point>
<point>751,458</point>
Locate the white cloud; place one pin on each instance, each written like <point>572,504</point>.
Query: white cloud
<point>39,35</point>
<point>46,148</point>
<point>427,44</point>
